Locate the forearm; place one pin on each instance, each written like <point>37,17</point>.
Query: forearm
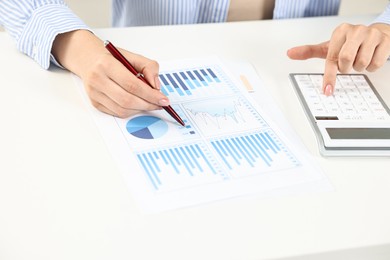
<point>77,50</point>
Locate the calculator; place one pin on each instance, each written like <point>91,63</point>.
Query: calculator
<point>354,121</point>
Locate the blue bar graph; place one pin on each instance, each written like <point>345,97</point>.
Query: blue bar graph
<point>196,81</point>
<point>183,86</point>
<point>190,82</point>
<point>206,75</point>
<point>175,85</point>
<point>213,75</point>
<point>166,83</point>
<point>184,162</point>
<point>255,150</point>
<point>187,80</point>
<point>200,78</point>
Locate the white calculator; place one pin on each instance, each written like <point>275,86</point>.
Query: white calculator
<point>354,121</point>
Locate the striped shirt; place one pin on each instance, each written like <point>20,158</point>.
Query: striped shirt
<point>34,24</point>
<point>384,17</point>
<point>166,12</point>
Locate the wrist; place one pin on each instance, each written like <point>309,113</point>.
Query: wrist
<point>76,50</point>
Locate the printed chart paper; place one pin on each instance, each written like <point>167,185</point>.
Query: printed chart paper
<point>228,148</point>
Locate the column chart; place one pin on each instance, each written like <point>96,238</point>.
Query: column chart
<point>195,83</point>
<point>253,153</point>
<point>180,166</point>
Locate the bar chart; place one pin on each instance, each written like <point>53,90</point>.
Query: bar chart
<point>253,153</point>
<point>180,166</point>
<point>195,83</point>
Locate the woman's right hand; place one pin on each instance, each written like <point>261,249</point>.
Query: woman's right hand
<point>111,88</point>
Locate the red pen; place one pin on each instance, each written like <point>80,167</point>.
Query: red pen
<point>117,55</point>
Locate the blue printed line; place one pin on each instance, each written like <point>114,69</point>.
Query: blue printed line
<point>220,154</point>
<point>164,92</point>
<point>213,75</point>
<point>187,80</point>
<point>182,84</point>
<point>230,152</point>
<point>262,142</point>
<point>194,79</point>
<point>147,172</point>
<point>258,151</point>
<point>171,162</point>
<point>174,156</point>
<point>177,88</point>
<point>260,146</point>
<point>205,159</point>
<point>242,152</point>
<point>234,149</point>
<point>162,156</point>
<point>268,143</point>
<point>184,163</point>
<point>194,159</point>
<point>206,75</point>
<point>245,149</point>
<point>166,84</point>
<point>220,147</point>
<point>200,77</point>
<point>187,158</point>
<point>194,151</point>
<point>272,141</point>
<point>154,162</point>
<point>190,84</point>
<point>249,146</point>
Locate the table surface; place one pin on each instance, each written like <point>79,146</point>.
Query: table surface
<point>63,197</point>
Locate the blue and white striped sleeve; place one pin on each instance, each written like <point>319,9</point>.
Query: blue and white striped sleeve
<point>34,24</point>
<point>384,17</point>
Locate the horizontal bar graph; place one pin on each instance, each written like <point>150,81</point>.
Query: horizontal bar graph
<point>262,151</point>
<point>179,165</point>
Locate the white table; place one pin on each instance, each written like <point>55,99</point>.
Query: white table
<point>62,196</point>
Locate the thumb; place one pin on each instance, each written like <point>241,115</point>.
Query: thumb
<point>305,52</point>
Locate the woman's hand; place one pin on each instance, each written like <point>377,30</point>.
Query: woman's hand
<point>110,86</point>
<point>355,47</point>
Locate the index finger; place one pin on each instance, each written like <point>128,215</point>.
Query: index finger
<point>331,63</point>
<point>330,74</point>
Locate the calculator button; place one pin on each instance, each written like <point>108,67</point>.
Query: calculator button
<point>353,99</point>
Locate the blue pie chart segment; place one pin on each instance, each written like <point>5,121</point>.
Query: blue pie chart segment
<point>147,127</point>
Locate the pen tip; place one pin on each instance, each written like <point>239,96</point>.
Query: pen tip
<point>106,42</point>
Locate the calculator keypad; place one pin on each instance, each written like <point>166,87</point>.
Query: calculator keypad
<point>352,100</point>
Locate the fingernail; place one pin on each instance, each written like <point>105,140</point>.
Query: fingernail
<point>328,90</point>
<point>163,102</point>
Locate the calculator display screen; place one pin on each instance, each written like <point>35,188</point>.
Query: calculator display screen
<point>359,133</point>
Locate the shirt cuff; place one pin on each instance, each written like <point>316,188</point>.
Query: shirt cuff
<point>384,17</point>
<point>40,31</point>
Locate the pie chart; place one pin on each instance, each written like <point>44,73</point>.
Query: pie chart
<point>147,127</point>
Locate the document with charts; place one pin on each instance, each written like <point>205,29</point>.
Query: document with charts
<point>228,148</point>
